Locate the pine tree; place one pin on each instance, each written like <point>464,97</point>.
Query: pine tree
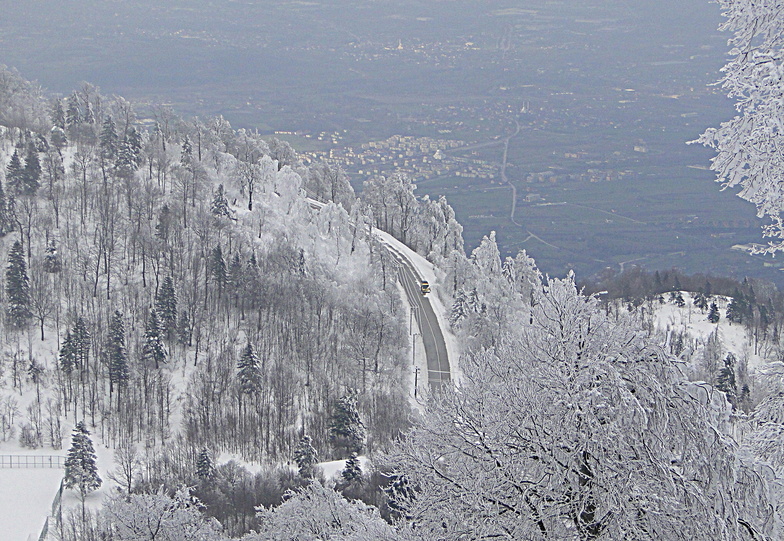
<point>118,356</point>
<point>184,328</point>
<point>109,139</point>
<point>346,430</point>
<point>73,117</point>
<point>459,308</point>
<point>306,457</point>
<point>220,205</point>
<point>52,263</point>
<point>700,301</point>
<point>7,221</point>
<point>153,351</point>
<point>352,472</point>
<point>166,306</point>
<point>32,171</point>
<point>713,315</point>
<point>248,371</point>
<point>164,223</point>
<point>17,287</point>
<point>81,471</point>
<point>218,268</point>
<point>205,470</point>
<point>236,272</point>
<point>67,354</point>
<point>58,138</point>
<point>725,380</point>
<point>58,114</point>
<point>81,342</point>
<point>398,493</point>
<point>14,174</point>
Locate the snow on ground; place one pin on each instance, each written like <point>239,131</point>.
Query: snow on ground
<point>332,469</point>
<point>26,497</point>
<point>695,322</point>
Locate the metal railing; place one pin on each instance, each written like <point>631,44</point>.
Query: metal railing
<point>57,514</point>
<point>32,461</point>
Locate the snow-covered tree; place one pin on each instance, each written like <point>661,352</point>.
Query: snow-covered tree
<point>306,457</point>
<point>158,517</point>
<point>749,150</point>
<point>81,471</point>
<point>316,512</point>
<point>346,430</point>
<point>351,474</point>
<point>713,314</point>
<point>17,288</point>
<point>205,469</point>
<point>52,262</point>
<point>7,220</point>
<point>14,174</point>
<point>248,371</point>
<point>220,205</point>
<point>118,355</point>
<point>574,427</point>
<point>166,307</point>
<point>153,351</point>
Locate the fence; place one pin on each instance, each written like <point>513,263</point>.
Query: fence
<point>57,513</point>
<point>32,461</point>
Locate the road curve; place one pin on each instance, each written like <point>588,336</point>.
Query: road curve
<point>438,373</point>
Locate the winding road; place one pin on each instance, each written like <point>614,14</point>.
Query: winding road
<point>438,373</point>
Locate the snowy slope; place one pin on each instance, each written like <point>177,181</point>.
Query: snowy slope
<point>689,318</point>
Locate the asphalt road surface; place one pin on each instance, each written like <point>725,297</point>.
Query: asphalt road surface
<point>435,347</point>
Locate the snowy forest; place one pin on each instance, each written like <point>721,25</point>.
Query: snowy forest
<point>226,321</point>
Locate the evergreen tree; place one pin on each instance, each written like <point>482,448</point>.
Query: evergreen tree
<point>81,343</point>
<point>459,308</point>
<point>352,472</point>
<point>118,356</point>
<point>220,205</point>
<point>14,174</point>
<point>52,263</point>
<point>205,469</point>
<point>109,140</point>
<point>166,306</point>
<point>17,288</point>
<point>81,471</point>
<point>346,430</point>
<point>184,328</point>
<point>218,268</point>
<point>73,116</point>
<point>713,315</point>
<point>7,222</point>
<point>700,301</point>
<point>186,154</point>
<point>725,380</point>
<point>153,351</point>
<point>236,273</point>
<point>248,371</point>
<point>58,114</point>
<point>32,171</point>
<point>58,138</point>
<point>398,493</point>
<point>164,223</point>
<point>67,354</point>
<point>306,457</point>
